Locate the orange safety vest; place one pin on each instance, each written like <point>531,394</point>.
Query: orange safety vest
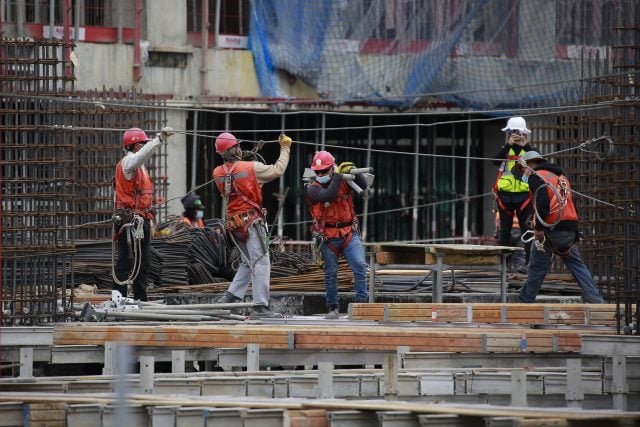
<point>561,183</point>
<point>135,193</point>
<point>329,220</point>
<point>198,223</point>
<point>246,192</point>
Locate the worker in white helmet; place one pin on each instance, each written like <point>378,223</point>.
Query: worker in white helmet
<point>512,195</point>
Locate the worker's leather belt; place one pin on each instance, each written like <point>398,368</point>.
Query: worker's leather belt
<point>338,224</point>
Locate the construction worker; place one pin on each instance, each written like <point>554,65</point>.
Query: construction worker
<point>193,213</point>
<point>518,261</point>
<point>512,195</point>
<point>240,184</point>
<point>555,227</point>
<point>335,228</point>
<point>133,200</point>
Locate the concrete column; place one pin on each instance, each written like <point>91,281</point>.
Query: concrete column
<point>325,380</point>
<point>533,44</point>
<point>26,362</point>
<point>619,387</point>
<point>574,394</point>
<point>177,361</point>
<point>519,388</point>
<point>253,357</point>
<point>110,358</point>
<point>391,376</point>
<point>147,372</point>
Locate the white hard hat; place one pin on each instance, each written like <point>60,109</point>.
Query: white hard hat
<point>517,123</point>
<point>531,155</point>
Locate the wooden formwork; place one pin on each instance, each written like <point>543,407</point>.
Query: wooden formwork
<point>525,314</point>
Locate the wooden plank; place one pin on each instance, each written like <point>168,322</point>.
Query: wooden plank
<point>463,259</point>
<point>469,249</point>
<point>399,258</point>
<point>308,418</point>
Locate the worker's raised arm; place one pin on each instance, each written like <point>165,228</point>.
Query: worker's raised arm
<point>265,173</point>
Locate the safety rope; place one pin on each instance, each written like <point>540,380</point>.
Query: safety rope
<point>135,235</point>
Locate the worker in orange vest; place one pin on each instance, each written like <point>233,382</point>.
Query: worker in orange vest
<point>133,202</point>
<point>555,227</point>
<point>335,227</point>
<point>240,185</point>
<point>193,213</point>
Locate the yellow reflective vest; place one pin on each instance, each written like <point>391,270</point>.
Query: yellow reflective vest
<point>505,180</point>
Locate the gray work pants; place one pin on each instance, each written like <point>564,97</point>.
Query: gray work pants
<point>261,265</point>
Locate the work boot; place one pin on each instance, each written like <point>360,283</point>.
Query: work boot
<point>333,313</point>
<point>263,312</point>
<point>228,298</point>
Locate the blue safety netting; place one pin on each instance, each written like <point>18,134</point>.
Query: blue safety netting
<point>480,54</point>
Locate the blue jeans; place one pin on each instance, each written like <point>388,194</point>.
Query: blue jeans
<point>539,262</point>
<point>354,253</point>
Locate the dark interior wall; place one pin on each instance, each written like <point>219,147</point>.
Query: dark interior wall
<point>392,157</point>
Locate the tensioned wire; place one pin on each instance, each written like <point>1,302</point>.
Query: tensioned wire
<point>542,111</point>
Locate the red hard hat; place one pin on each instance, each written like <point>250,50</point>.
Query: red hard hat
<point>133,136</point>
<point>322,160</point>
<point>224,141</point>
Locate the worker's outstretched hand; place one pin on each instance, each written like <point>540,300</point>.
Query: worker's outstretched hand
<point>345,167</point>
<point>285,141</point>
<point>165,133</point>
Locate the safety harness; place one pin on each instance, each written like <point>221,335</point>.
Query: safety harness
<point>559,194</point>
<point>501,171</point>
<point>318,229</point>
<point>238,224</point>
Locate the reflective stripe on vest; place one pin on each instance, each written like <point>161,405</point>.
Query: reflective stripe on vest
<point>340,210</point>
<point>561,184</point>
<point>243,182</point>
<point>505,180</point>
<point>135,193</point>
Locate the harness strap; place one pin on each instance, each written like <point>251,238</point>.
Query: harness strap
<point>244,197</point>
<point>512,213</point>
<point>344,244</point>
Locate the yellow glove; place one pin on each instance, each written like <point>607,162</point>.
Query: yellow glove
<point>284,141</point>
<point>345,167</point>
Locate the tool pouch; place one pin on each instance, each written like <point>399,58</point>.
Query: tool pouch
<point>239,224</point>
<point>121,217</point>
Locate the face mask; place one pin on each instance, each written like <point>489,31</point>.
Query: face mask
<point>323,179</point>
<point>199,214</point>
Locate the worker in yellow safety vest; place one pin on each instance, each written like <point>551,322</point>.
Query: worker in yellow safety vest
<point>512,195</point>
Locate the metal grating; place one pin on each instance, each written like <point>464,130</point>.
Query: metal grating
<point>58,152</point>
<point>612,249</point>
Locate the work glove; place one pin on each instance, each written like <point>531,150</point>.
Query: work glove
<point>515,139</point>
<point>345,167</point>
<point>284,141</point>
<point>165,133</point>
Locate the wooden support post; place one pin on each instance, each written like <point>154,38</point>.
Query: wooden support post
<point>147,371</point>
<point>574,395</point>
<point>26,362</point>
<point>619,387</point>
<point>110,358</point>
<point>503,276</point>
<point>519,388</point>
<point>325,380</point>
<point>372,275</point>
<point>391,376</point>
<point>177,361</point>
<point>436,295</point>
<point>253,357</point>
